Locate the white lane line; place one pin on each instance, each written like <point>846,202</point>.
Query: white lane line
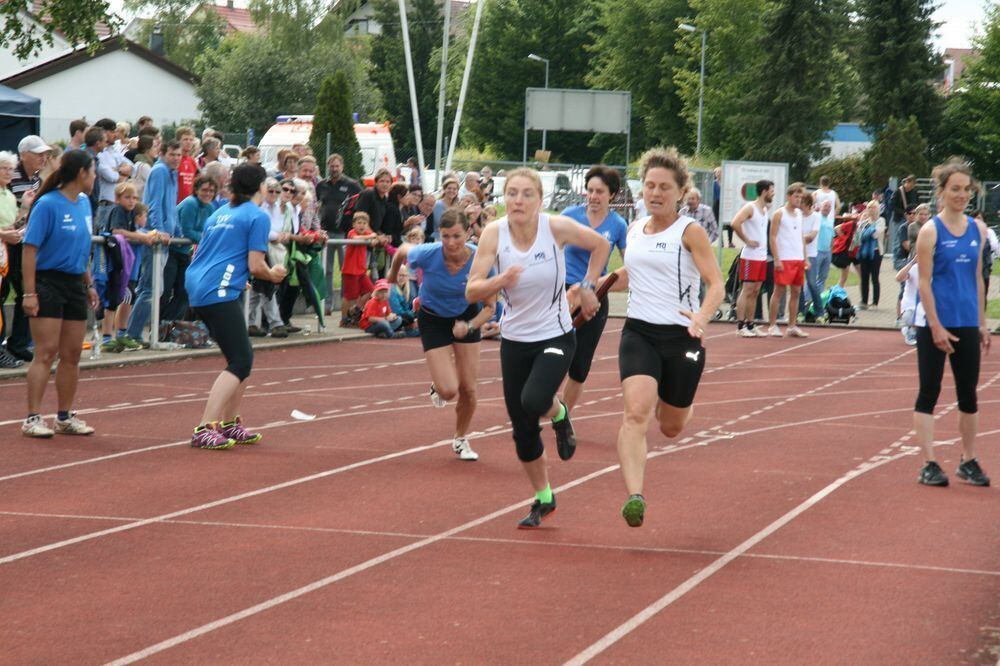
<point>149,400</point>
<point>185,395</point>
<point>296,379</point>
<point>518,542</point>
<point>252,493</point>
<point>318,376</point>
<point>270,383</point>
<point>118,404</point>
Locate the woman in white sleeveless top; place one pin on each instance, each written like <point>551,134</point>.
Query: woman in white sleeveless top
<point>536,331</point>
<point>661,356</point>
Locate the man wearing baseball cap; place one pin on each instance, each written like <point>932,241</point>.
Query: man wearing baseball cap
<point>33,153</point>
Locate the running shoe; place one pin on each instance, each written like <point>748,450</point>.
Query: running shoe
<point>774,332</point>
<point>759,331</point>
<point>112,346</point>
<point>795,332</point>
<point>746,333</point>
<point>35,426</point>
<point>436,399</point>
<point>933,475</point>
<point>8,361</point>
<point>129,344</point>
<point>207,437</point>
<point>238,434</point>
<point>970,472</point>
<point>634,510</point>
<point>461,447</point>
<point>73,426</point>
<point>565,436</point>
<point>539,512</point>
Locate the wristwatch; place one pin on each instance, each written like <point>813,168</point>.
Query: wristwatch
<point>472,329</point>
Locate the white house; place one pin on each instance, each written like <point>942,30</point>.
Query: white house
<point>122,80</point>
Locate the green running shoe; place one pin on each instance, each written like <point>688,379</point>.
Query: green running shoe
<point>634,510</point>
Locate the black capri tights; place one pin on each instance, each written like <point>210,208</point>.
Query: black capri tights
<point>964,367</point>
<point>532,373</point>
<point>587,337</point>
<point>227,326</point>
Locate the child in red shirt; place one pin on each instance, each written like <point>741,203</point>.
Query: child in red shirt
<point>378,319</point>
<point>354,271</point>
<point>187,170</point>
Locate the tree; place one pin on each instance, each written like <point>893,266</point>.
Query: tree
<point>560,30</point>
<point>76,20</point>
<point>635,50</point>
<point>849,175</point>
<point>796,81</point>
<point>971,124</point>
<point>187,31</point>
<point>897,64</point>
<point>333,115</point>
<point>426,23</point>
<point>899,150</point>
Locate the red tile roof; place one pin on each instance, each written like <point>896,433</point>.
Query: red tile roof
<point>238,19</point>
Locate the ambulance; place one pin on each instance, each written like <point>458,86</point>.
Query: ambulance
<point>375,140</point>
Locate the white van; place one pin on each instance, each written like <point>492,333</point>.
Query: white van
<point>375,140</point>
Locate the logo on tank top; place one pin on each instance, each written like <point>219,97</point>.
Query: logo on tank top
<point>540,258</point>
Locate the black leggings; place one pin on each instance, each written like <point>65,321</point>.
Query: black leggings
<point>587,337</point>
<point>227,326</point>
<point>964,367</point>
<point>870,273</point>
<point>532,373</point>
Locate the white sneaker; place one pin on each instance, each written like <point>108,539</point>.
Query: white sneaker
<point>774,332</point>
<point>436,399</point>
<point>462,448</point>
<point>34,426</point>
<point>759,332</point>
<point>746,333</point>
<point>73,426</point>
<point>795,332</point>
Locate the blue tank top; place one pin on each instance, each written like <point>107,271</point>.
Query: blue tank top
<point>956,295</point>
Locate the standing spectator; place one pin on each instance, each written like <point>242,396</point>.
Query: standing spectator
<point>299,257</point>
<point>449,194</point>
<point>161,197</point>
<point>471,185</point>
<point>112,168</point>
<point>373,201</point>
<point>76,130</point>
<point>307,170</point>
<point>716,202</point>
<point>58,290</point>
<point>414,178</point>
<point>827,193</point>
<point>263,300</point>
<point>411,202</point>
<point>426,209</point>
<point>392,225</point>
<point>128,220</point>
<point>8,235</point>
<point>902,198</point>
<point>220,174</point>
<point>810,235</point>
<point>188,167</point>
<point>700,213</point>
<point>210,149</point>
<point>301,150</point>
<point>33,153</point>
<point>288,165</point>
<point>823,243</point>
<point>870,233</point>
<point>145,156</point>
<point>354,273</point>
<point>192,213</point>
<point>331,194</point>
<point>250,155</point>
<point>486,183</point>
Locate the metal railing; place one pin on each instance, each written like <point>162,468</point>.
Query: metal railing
<point>157,266</point>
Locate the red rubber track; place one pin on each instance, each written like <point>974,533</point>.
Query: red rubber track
<point>785,525</point>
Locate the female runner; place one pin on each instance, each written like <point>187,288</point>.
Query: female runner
<point>661,356</point>
<point>952,323</point>
<point>603,184</point>
<point>448,324</point>
<point>537,338</point>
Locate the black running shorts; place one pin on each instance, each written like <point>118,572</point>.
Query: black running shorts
<point>61,295</point>
<point>667,354</point>
<point>435,330</point>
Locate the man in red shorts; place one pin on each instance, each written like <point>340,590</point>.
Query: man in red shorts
<point>790,263</point>
<point>750,224</point>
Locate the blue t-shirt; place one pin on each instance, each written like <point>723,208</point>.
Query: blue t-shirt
<point>441,292</point>
<point>61,231</point>
<point>825,236</point>
<point>220,270</point>
<point>613,228</point>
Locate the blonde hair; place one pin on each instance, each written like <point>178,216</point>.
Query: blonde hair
<point>415,235</point>
<point>664,158</point>
<point>122,188</point>
<point>140,209</point>
<point>525,172</point>
<point>922,206</point>
<point>361,216</point>
<point>943,172</point>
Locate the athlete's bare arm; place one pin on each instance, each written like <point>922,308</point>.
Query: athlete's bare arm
<point>745,213</point>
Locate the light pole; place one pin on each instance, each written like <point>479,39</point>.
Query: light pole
<point>701,87</point>
<point>538,58</point>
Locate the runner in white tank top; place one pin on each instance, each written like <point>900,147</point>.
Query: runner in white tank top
<point>537,339</point>
<point>661,357</point>
<point>789,261</point>
<point>750,225</point>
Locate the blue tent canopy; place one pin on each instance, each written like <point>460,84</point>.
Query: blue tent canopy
<point>19,116</point>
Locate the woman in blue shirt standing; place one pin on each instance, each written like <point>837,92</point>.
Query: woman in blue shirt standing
<point>58,289</point>
<point>603,184</point>
<point>232,248</point>
<point>953,325</point>
<point>448,323</point>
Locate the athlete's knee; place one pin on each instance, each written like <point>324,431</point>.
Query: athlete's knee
<point>968,404</point>
<point>467,393</point>
<point>926,401</point>
<point>240,367</point>
<point>529,444</point>
<point>536,403</point>
<point>447,392</point>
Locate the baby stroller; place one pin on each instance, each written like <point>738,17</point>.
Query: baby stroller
<point>732,290</point>
<point>838,308</point>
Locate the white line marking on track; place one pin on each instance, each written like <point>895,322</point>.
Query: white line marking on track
<point>296,379</point>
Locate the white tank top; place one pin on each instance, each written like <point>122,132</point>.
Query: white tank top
<point>755,229</point>
<point>788,243</point>
<point>535,308</point>
<point>662,277</point>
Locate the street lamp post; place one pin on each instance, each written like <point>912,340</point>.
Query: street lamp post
<point>538,58</point>
<point>701,86</point>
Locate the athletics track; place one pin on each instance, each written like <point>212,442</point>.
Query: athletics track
<point>785,526</point>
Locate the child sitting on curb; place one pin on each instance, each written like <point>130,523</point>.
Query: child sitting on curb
<point>401,300</point>
<point>377,318</point>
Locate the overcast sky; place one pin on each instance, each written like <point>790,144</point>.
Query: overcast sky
<point>958,19</point>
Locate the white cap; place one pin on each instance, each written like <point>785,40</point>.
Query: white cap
<point>32,144</point>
